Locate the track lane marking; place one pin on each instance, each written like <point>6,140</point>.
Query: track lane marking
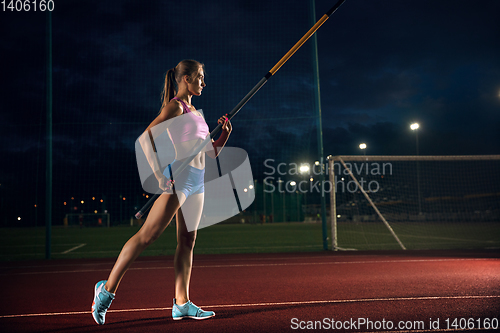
<point>266,265</point>
<point>202,259</point>
<point>361,300</point>
<point>74,248</point>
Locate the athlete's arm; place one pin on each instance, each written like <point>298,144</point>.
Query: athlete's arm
<point>221,141</point>
<point>171,110</point>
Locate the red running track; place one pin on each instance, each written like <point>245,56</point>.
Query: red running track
<point>357,291</point>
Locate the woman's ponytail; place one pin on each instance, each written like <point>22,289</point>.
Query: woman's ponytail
<point>169,88</point>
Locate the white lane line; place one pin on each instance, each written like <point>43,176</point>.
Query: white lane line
<point>208,259</point>
<point>364,262</point>
<point>340,301</point>
<point>138,261</point>
<point>73,248</point>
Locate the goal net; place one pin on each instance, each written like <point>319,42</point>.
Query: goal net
<point>414,202</point>
<point>87,220</point>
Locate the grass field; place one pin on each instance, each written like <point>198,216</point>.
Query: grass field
<point>73,242</point>
<point>29,243</point>
<point>420,236</point>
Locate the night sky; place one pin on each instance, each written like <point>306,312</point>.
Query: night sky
<point>383,65</point>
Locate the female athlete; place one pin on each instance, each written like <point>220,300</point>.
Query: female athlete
<point>186,190</point>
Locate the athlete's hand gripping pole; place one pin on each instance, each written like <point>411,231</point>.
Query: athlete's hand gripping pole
<point>245,99</point>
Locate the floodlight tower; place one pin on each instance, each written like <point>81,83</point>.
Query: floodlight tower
<point>363,146</point>
<point>414,127</point>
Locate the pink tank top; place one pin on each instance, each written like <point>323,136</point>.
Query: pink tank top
<point>188,127</point>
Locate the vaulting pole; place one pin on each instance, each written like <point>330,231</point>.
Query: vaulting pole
<point>245,99</point>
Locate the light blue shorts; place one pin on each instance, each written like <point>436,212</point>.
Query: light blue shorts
<point>190,181</point>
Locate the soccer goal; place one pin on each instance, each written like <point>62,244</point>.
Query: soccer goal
<point>87,220</point>
<point>414,202</point>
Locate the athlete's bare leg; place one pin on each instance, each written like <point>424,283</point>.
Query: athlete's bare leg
<point>188,215</point>
<point>158,219</point>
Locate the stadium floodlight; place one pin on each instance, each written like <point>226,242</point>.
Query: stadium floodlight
<point>414,126</point>
<point>304,168</point>
<point>363,146</point>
